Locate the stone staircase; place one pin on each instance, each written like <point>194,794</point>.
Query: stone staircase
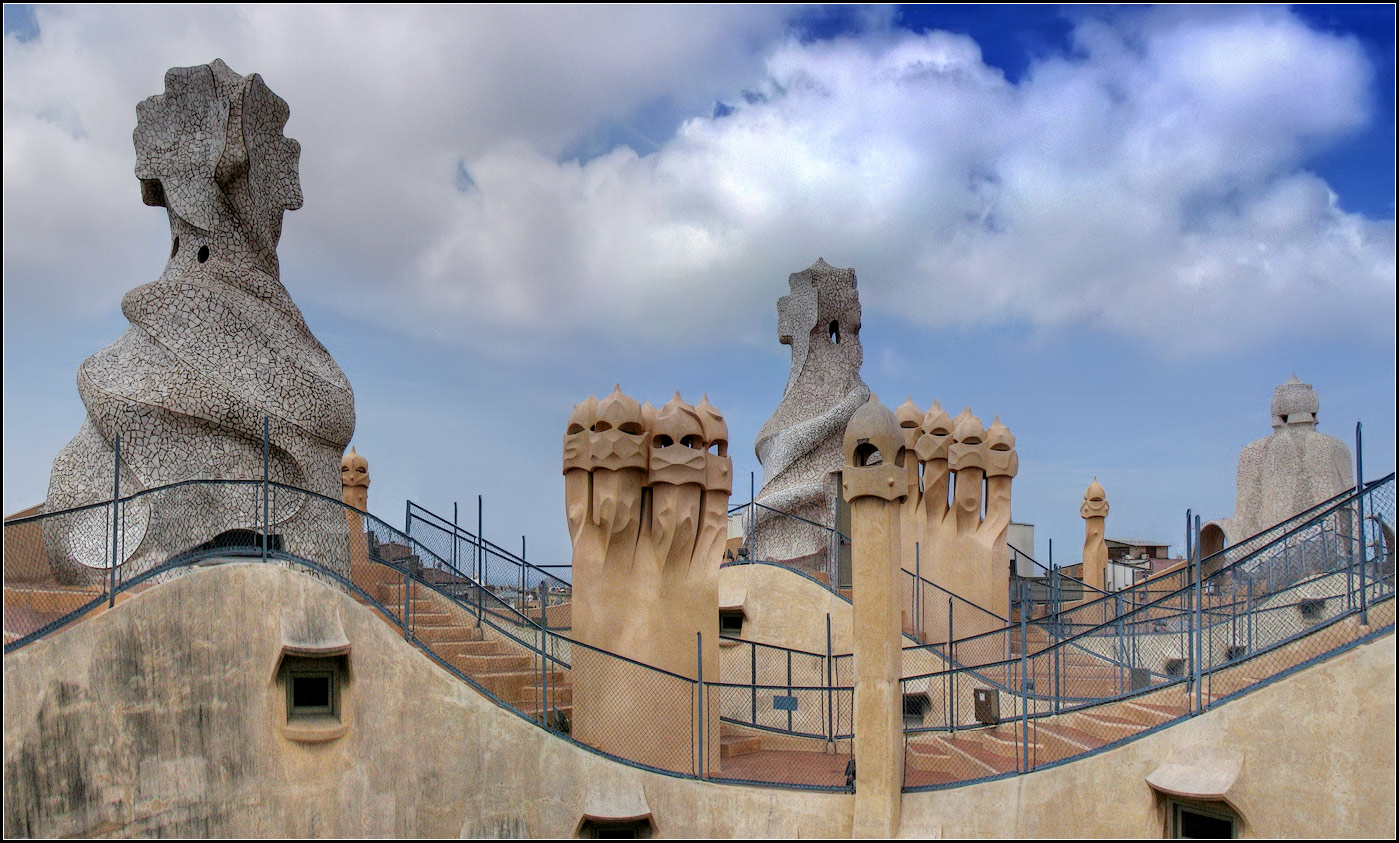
<point>500,665</point>
<point>934,758</point>
<point>732,742</point>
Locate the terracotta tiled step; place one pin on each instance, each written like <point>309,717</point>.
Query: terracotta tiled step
<point>1155,712</point>
<point>1001,740</point>
<point>532,712</point>
<point>511,685</point>
<point>391,594</point>
<point>474,663</point>
<point>54,600</point>
<point>928,752</point>
<point>1102,725</point>
<point>732,743</point>
<point>788,767</point>
<point>436,635</point>
<point>560,695</point>
<point>975,750</point>
<point>428,617</point>
<point>452,649</point>
<point>1065,730</point>
<point>28,609</point>
<point>1054,741</point>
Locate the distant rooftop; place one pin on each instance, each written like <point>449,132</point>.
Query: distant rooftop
<point>1139,542</point>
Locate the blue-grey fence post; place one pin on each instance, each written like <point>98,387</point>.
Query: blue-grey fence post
<point>699,698</point>
<point>456,567</point>
<point>789,689</point>
<point>1121,656</point>
<point>116,521</point>
<point>523,563</point>
<point>951,655</point>
<point>1250,613</point>
<point>407,586</point>
<point>1024,685</point>
<point>480,558</point>
<point>266,460</point>
<point>830,708</point>
<point>544,654</point>
<point>917,593</point>
<point>1360,524</point>
<point>753,677</point>
<point>1055,596</point>
<point>1189,609</point>
<point>1199,623</point>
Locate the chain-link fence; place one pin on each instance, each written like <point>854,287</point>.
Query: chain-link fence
<point>795,540</point>
<point>934,615</point>
<point>785,719</point>
<point>536,590</point>
<point>1286,599</point>
<point>795,729</point>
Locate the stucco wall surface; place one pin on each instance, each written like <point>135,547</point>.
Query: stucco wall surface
<point>1318,757</point>
<point>162,716</point>
<point>785,609</point>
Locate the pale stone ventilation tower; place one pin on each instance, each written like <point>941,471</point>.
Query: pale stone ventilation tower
<point>1284,473</point>
<point>875,485</point>
<point>646,492</point>
<point>354,480</point>
<point>215,345</point>
<point>1095,547</point>
<point>964,543</point>
<point>354,491</point>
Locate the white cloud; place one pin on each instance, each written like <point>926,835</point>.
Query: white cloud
<point>1151,179</point>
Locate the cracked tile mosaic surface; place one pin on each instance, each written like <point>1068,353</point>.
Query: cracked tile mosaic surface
<point>215,345</point>
<point>800,445</point>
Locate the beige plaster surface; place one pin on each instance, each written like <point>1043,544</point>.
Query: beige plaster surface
<point>1317,754</point>
<point>785,609</point>
<point>646,492</point>
<point>1094,511</point>
<point>160,718</point>
<point>875,485</point>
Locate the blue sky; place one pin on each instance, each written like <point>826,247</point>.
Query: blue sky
<point>1116,228</point>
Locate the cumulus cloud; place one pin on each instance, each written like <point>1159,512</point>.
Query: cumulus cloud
<point>1153,178</point>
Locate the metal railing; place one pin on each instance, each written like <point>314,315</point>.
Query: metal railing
<point>935,614</point>
<point>790,700</point>
<point>1288,598</point>
<point>615,706</point>
<point>534,589</point>
<point>1311,586</point>
<point>769,530</point>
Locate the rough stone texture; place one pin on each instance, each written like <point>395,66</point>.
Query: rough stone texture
<point>647,492</point>
<point>800,445</point>
<point>215,343</point>
<point>1293,468</point>
<point>962,546</point>
<point>1095,547</point>
<point>354,480</point>
<point>874,484</point>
